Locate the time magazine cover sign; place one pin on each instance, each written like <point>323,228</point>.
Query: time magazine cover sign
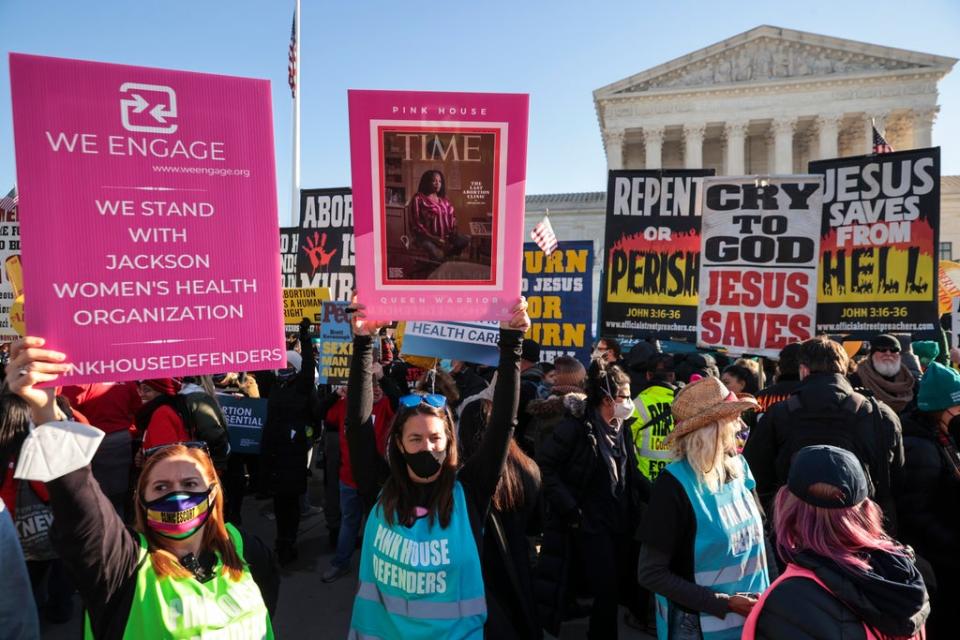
<point>758,268</point>
<point>148,209</point>
<point>879,239</point>
<point>652,254</point>
<point>438,202</point>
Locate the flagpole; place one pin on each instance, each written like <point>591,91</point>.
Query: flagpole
<point>295,169</point>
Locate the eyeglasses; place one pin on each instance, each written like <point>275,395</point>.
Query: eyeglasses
<point>886,350</point>
<point>190,445</point>
<point>435,400</point>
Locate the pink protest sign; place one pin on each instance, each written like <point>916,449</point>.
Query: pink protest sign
<point>438,202</point>
<point>148,212</point>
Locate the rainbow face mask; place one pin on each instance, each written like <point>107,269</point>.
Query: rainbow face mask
<point>179,514</point>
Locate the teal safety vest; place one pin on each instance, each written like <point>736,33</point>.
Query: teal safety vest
<point>728,555</point>
<point>654,422</point>
<point>420,582</point>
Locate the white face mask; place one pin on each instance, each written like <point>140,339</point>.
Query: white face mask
<point>55,449</point>
<point>623,410</point>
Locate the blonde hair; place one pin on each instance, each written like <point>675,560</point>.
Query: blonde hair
<point>708,450</point>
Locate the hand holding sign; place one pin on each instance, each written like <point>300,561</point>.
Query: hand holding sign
<point>359,323</point>
<point>30,365</point>
<point>520,321</point>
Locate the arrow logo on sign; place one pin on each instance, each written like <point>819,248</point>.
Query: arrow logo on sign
<point>164,108</point>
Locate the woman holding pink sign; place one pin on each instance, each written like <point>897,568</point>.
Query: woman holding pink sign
<point>181,571</point>
<point>420,572</point>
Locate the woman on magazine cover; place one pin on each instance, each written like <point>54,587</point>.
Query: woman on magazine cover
<point>433,222</point>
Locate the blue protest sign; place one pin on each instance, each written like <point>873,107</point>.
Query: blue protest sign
<point>559,292</point>
<point>335,344</point>
<point>245,420</point>
<point>468,341</point>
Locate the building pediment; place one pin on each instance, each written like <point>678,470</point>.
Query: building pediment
<point>770,54</point>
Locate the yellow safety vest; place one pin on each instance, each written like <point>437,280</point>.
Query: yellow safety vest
<point>653,406</point>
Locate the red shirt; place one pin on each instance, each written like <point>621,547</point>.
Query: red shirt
<point>110,406</point>
<point>166,427</point>
<point>382,417</point>
<point>9,486</point>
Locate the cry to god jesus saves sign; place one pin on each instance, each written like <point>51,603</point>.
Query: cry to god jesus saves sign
<point>758,264</point>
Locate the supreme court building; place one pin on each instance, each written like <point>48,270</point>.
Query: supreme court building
<point>764,102</point>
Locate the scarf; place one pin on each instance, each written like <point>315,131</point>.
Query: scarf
<point>897,392</point>
<point>611,445</point>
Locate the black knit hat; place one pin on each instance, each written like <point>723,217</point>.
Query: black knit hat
<point>884,341</point>
<point>530,351</point>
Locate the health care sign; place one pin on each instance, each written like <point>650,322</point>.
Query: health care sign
<point>148,210</point>
<point>758,268</point>
<point>438,202</point>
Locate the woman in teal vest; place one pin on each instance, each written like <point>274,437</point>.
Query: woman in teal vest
<point>703,548</point>
<point>420,573</point>
<point>181,572</point>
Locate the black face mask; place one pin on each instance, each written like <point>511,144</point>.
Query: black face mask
<point>425,464</point>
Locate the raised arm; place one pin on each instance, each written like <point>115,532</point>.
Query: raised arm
<point>369,467</point>
<point>481,472</point>
<point>308,362</point>
<point>90,537</point>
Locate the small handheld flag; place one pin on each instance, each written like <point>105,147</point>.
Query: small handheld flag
<point>543,235</point>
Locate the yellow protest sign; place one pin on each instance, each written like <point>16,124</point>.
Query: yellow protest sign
<point>424,362</point>
<point>16,316</point>
<point>303,303</point>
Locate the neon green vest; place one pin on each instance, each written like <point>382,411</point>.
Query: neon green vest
<point>652,405</point>
<point>181,608</point>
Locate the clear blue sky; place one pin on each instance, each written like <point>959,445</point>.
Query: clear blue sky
<point>557,51</point>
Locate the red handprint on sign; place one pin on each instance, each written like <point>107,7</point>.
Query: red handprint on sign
<point>314,249</point>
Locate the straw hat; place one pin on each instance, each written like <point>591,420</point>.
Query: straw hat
<point>701,403</point>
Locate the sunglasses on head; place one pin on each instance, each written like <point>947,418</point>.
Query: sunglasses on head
<point>190,445</point>
<point>435,400</point>
<point>886,350</point>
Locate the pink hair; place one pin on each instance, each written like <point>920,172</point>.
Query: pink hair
<point>842,535</point>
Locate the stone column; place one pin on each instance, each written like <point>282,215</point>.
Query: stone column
<point>873,119</point>
<point>653,137</point>
<point>693,144</point>
<point>829,131</point>
<point>783,145</point>
<point>736,133</point>
<point>613,141</point>
<point>923,126</point>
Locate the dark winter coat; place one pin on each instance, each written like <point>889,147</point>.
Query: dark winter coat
<point>891,598</point>
<point>547,413</point>
<point>929,503</point>
<point>824,409</point>
<point>294,419</point>
<point>569,460</point>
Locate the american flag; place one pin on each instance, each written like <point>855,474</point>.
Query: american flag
<point>292,58</point>
<point>880,144</point>
<point>543,235</point>
<point>9,203</point>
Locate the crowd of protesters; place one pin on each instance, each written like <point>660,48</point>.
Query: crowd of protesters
<point>685,493</point>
